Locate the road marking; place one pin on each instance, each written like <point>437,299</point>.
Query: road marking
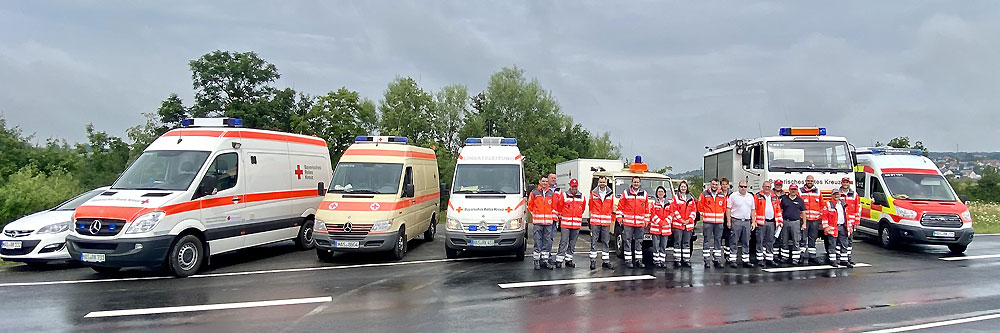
<point>290,270</point>
<point>575,281</point>
<point>809,268</point>
<point>938,324</point>
<point>207,307</point>
<point>985,256</point>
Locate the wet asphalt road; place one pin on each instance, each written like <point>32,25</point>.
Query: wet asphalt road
<point>427,293</point>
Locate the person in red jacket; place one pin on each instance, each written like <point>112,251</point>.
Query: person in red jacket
<point>813,198</point>
<point>601,215</point>
<point>569,206</point>
<point>767,223</point>
<point>839,226</point>
<point>633,210</point>
<point>542,215</point>
<point>660,218</point>
<point>713,206</point>
<point>685,209</point>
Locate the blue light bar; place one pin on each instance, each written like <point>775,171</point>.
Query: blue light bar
<point>187,122</point>
<point>822,131</point>
<point>401,139</point>
<point>362,138</point>
<point>234,122</point>
<point>784,131</point>
<point>508,141</point>
<point>474,141</point>
<point>381,139</point>
<point>638,159</point>
<point>916,151</point>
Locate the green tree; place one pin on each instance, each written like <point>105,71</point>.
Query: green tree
<point>229,83</point>
<point>451,104</point>
<point>337,117</point>
<point>904,142</point>
<point>988,187</point>
<point>105,157</point>
<point>30,190</point>
<point>171,112</point>
<point>407,110</point>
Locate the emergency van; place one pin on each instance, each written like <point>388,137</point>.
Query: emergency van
<point>207,188</point>
<point>618,181</point>
<point>793,155</point>
<point>904,198</point>
<point>583,169</point>
<point>384,194</point>
<point>486,209</point>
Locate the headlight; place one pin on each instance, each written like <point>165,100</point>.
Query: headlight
<point>454,225</point>
<point>54,228</point>
<point>145,223</point>
<point>966,216</point>
<point>514,224</point>
<point>906,213</point>
<point>319,225</point>
<point>381,226</point>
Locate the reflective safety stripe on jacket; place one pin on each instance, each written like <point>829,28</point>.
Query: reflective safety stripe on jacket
<point>541,207</point>
<point>685,209</point>
<point>814,202</point>
<point>601,209</point>
<point>759,208</point>
<point>660,217</point>
<point>829,214</point>
<point>713,206</point>
<point>633,208</point>
<point>570,209</point>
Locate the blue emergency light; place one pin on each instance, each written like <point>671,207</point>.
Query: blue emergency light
<point>212,122</point>
<point>638,159</point>
<point>474,141</point>
<point>391,139</point>
<point>801,131</point>
<point>508,141</point>
<point>473,228</point>
<point>493,228</point>
<point>903,151</point>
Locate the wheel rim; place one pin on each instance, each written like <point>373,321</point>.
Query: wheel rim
<point>434,229</point>
<point>400,243</point>
<point>308,235</point>
<point>885,236</point>
<point>187,256</point>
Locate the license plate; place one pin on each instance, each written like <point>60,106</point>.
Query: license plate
<point>92,257</point>
<point>647,237</point>
<point>11,245</point>
<point>347,244</point>
<point>944,233</point>
<point>484,242</point>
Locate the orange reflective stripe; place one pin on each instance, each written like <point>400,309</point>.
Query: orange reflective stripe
<point>275,137</point>
<point>393,153</point>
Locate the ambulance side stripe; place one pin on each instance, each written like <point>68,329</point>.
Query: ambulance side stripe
<point>248,135</point>
<point>910,170</point>
<point>130,213</point>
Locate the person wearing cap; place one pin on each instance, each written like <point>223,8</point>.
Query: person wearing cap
<point>813,198</point>
<point>768,218</point>
<point>601,215</point>
<point>739,219</point>
<point>570,206</point>
<point>633,210</point>
<point>542,215</point>
<point>660,218</point>
<point>685,209</point>
<point>839,219</point>
<point>793,216</point>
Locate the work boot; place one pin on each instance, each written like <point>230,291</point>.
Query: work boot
<point>813,261</point>
<point>551,266</point>
<point>593,264</point>
<point>834,263</point>
<point>537,267</point>
<point>677,264</point>
<point>559,264</point>
<point>795,263</point>
<point>708,265</point>
<point>639,264</point>
<point>570,264</point>
<point>732,264</point>
<point>718,264</point>
<point>748,265</point>
<point>686,264</point>
<point>628,263</point>
<point>608,265</point>
<point>847,264</point>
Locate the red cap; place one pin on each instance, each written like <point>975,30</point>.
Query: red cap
<point>793,187</point>
<point>573,182</point>
<point>778,182</point>
<point>846,179</point>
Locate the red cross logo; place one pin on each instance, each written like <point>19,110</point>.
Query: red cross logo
<point>333,205</point>
<point>375,206</point>
<point>380,139</point>
<point>298,171</point>
<point>145,201</point>
<point>459,209</point>
<point>508,209</point>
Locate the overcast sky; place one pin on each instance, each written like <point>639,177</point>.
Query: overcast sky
<point>665,78</point>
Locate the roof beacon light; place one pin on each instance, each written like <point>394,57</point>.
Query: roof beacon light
<point>895,151</point>
<point>802,131</point>
<point>382,139</point>
<point>638,166</point>
<point>212,122</point>
<point>491,141</point>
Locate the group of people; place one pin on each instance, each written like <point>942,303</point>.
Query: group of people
<point>791,221</point>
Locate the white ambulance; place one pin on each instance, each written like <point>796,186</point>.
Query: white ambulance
<point>486,210</point>
<point>384,194</point>
<point>207,188</point>
<point>904,198</point>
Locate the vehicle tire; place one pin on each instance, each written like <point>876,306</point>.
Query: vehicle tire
<point>399,249</point>
<point>519,253</point>
<point>617,243</point>
<point>324,255</point>
<point>431,230</point>
<point>106,270</point>
<point>185,256</point>
<point>958,248</point>
<point>305,240</point>
<point>450,252</point>
<point>886,237</point>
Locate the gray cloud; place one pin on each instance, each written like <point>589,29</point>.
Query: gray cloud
<point>665,78</point>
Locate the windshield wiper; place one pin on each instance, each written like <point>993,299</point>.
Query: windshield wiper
<point>490,192</point>
<point>363,191</point>
<point>466,192</point>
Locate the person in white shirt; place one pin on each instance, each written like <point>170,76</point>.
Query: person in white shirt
<point>741,208</point>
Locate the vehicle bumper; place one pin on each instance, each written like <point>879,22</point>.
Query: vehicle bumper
<point>925,235</point>
<point>122,252</point>
<point>505,241</point>
<point>368,243</point>
<point>37,248</point>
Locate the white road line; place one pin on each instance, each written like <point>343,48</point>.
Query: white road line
<point>809,268</point>
<point>272,271</point>
<point>986,256</point>
<point>938,324</point>
<point>207,307</point>
<point>575,281</point>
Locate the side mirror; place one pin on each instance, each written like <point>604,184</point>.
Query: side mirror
<point>880,199</point>
<point>408,190</point>
<point>854,158</point>
<point>321,189</point>
<point>746,159</point>
<point>207,185</point>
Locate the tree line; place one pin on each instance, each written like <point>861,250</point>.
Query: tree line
<point>242,85</point>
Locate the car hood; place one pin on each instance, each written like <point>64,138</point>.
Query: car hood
<point>40,219</point>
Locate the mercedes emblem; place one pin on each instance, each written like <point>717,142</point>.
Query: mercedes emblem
<point>348,227</point>
<point>95,227</point>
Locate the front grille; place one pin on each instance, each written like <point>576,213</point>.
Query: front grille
<point>355,229</point>
<point>941,220</point>
<point>105,227</point>
<point>480,227</point>
<point>17,233</point>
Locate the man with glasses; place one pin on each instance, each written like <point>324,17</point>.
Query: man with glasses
<point>813,198</point>
<point>741,208</point>
<point>792,208</point>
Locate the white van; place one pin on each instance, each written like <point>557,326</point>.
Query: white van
<point>488,199</point>
<point>208,188</point>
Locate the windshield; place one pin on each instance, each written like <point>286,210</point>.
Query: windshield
<point>367,178</point>
<point>648,184</point>
<point>816,155</point>
<point>171,170</point>
<point>79,200</point>
<point>918,187</point>
<point>487,179</point>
